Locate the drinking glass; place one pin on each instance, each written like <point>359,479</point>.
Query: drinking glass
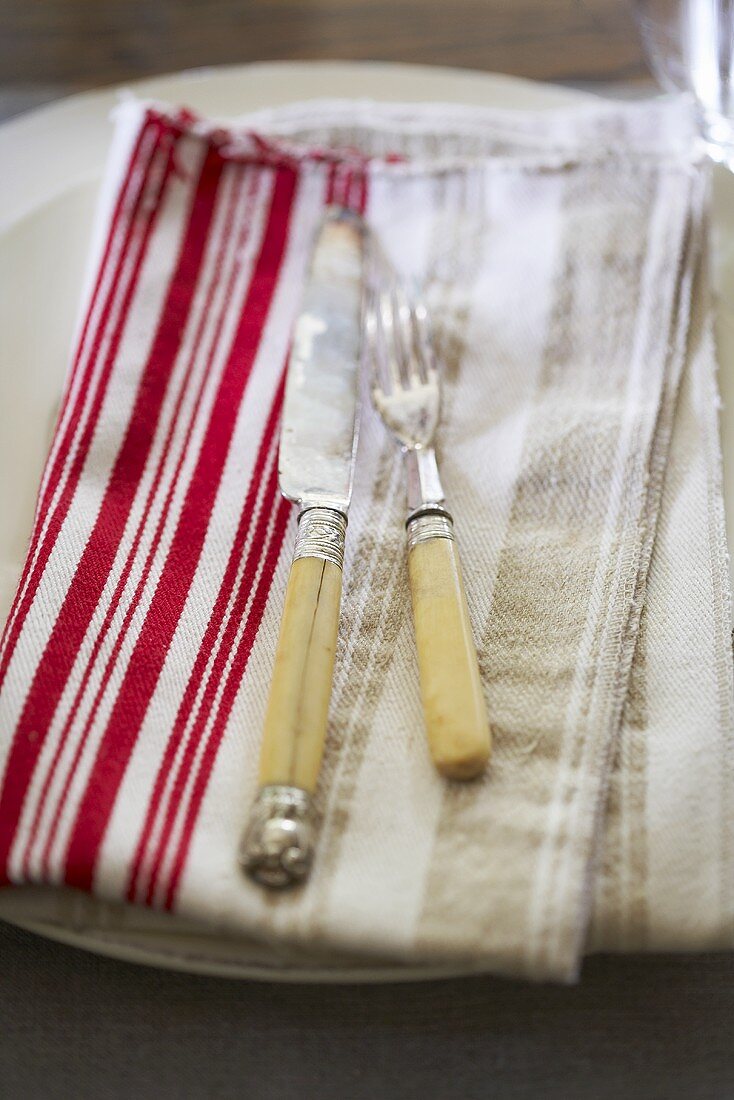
<point>690,47</point>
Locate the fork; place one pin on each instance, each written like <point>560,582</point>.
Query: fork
<point>405,388</point>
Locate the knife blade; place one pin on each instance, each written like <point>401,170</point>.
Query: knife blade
<point>315,468</point>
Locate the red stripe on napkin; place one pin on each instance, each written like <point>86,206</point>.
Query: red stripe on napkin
<point>250,517</point>
<point>168,602</point>
<point>237,668</point>
<point>137,222</point>
<point>119,591</point>
<point>279,513</point>
<point>124,559</point>
<point>53,668</point>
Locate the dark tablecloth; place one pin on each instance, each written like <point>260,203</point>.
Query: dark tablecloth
<point>76,1025</point>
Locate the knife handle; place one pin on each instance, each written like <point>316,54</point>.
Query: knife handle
<point>451,689</point>
<point>277,848</point>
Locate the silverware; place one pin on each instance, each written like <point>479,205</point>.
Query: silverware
<point>317,451</point>
<point>405,388</point>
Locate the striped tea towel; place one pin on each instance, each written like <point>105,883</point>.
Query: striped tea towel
<point>562,257</point>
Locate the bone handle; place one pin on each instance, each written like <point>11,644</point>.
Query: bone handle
<point>277,848</point>
<point>451,690</point>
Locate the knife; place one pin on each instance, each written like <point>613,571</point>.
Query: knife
<point>315,469</point>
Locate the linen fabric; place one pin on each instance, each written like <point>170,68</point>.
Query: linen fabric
<point>563,259</point>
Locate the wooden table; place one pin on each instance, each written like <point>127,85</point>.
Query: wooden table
<point>52,47</point>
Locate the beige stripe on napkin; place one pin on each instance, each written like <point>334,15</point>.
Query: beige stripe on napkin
<point>666,868</point>
<point>560,277</point>
<point>557,645</point>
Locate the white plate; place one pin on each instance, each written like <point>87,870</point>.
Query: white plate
<point>46,204</point>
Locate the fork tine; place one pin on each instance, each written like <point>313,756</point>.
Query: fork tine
<point>394,354</point>
<point>402,351</point>
<point>416,353</point>
<point>382,375</point>
<point>424,346</point>
<point>404,330</point>
<point>391,347</point>
<point>371,324</point>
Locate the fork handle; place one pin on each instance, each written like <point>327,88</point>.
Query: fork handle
<point>451,690</point>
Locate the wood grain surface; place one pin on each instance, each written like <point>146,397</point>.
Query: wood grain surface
<point>74,44</point>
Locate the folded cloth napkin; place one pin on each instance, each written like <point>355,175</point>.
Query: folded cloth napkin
<point>563,259</point>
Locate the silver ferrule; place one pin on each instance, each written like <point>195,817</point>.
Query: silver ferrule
<point>321,534</point>
<point>429,524</point>
<point>428,517</point>
<point>278,843</point>
<point>424,484</point>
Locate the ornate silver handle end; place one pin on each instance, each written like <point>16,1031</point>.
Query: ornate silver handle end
<point>278,844</point>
